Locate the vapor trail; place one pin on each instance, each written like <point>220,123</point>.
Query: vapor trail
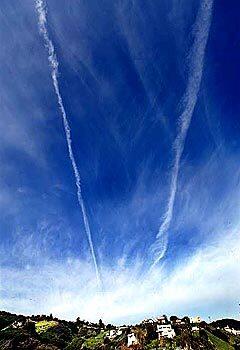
<point>42,22</point>
<point>196,61</point>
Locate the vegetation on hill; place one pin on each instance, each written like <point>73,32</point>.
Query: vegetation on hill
<point>43,326</point>
<point>219,343</point>
<point>18,332</point>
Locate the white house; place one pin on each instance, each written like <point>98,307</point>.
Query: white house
<point>148,320</point>
<point>232,330</point>
<point>195,319</point>
<point>132,339</point>
<point>17,324</point>
<point>195,328</point>
<point>176,322</point>
<point>161,320</point>
<point>114,333</point>
<point>165,330</point>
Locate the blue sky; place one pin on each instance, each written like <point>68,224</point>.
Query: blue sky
<point>151,94</point>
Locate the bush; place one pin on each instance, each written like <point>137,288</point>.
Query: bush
<point>76,344</point>
<point>43,326</point>
<point>58,335</point>
<point>6,319</point>
<point>13,333</point>
<point>95,342</point>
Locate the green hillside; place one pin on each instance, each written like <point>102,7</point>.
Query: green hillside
<point>18,332</point>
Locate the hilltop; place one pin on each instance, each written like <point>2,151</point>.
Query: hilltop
<point>41,332</point>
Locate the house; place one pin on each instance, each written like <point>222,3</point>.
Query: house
<point>195,328</point>
<point>18,324</point>
<point>165,330</point>
<point>148,320</point>
<point>161,320</point>
<point>175,320</point>
<point>122,328</point>
<point>119,332</point>
<point>195,319</point>
<point>232,330</point>
<point>114,333</point>
<point>132,339</point>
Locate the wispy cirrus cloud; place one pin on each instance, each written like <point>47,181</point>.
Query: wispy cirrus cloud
<point>195,69</point>
<point>204,283</point>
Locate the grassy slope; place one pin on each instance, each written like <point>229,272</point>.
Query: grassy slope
<point>95,341</point>
<point>220,344</point>
<point>43,326</point>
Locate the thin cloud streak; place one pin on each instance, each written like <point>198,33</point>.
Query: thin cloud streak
<point>42,22</point>
<point>196,61</point>
<point>127,297</point>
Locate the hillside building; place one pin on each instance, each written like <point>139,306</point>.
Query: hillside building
<point>162,320</point>
<point>132,339</point>
<point>114,333</point>
<point>195,319</point>
<point>148,321</point>
<point>232,330</point>
<point>165,330</point>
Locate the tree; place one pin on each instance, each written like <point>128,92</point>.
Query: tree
<point>141,335</point>
<point>30,327</point>
<point>151,332</point>
<point>101,324</point>
<point>186,319</point>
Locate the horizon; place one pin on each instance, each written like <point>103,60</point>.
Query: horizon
<point>105,322</point>
<point>120,177</point>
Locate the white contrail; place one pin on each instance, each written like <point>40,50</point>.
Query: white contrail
<point>42,21</point>
<point>196,61</point>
